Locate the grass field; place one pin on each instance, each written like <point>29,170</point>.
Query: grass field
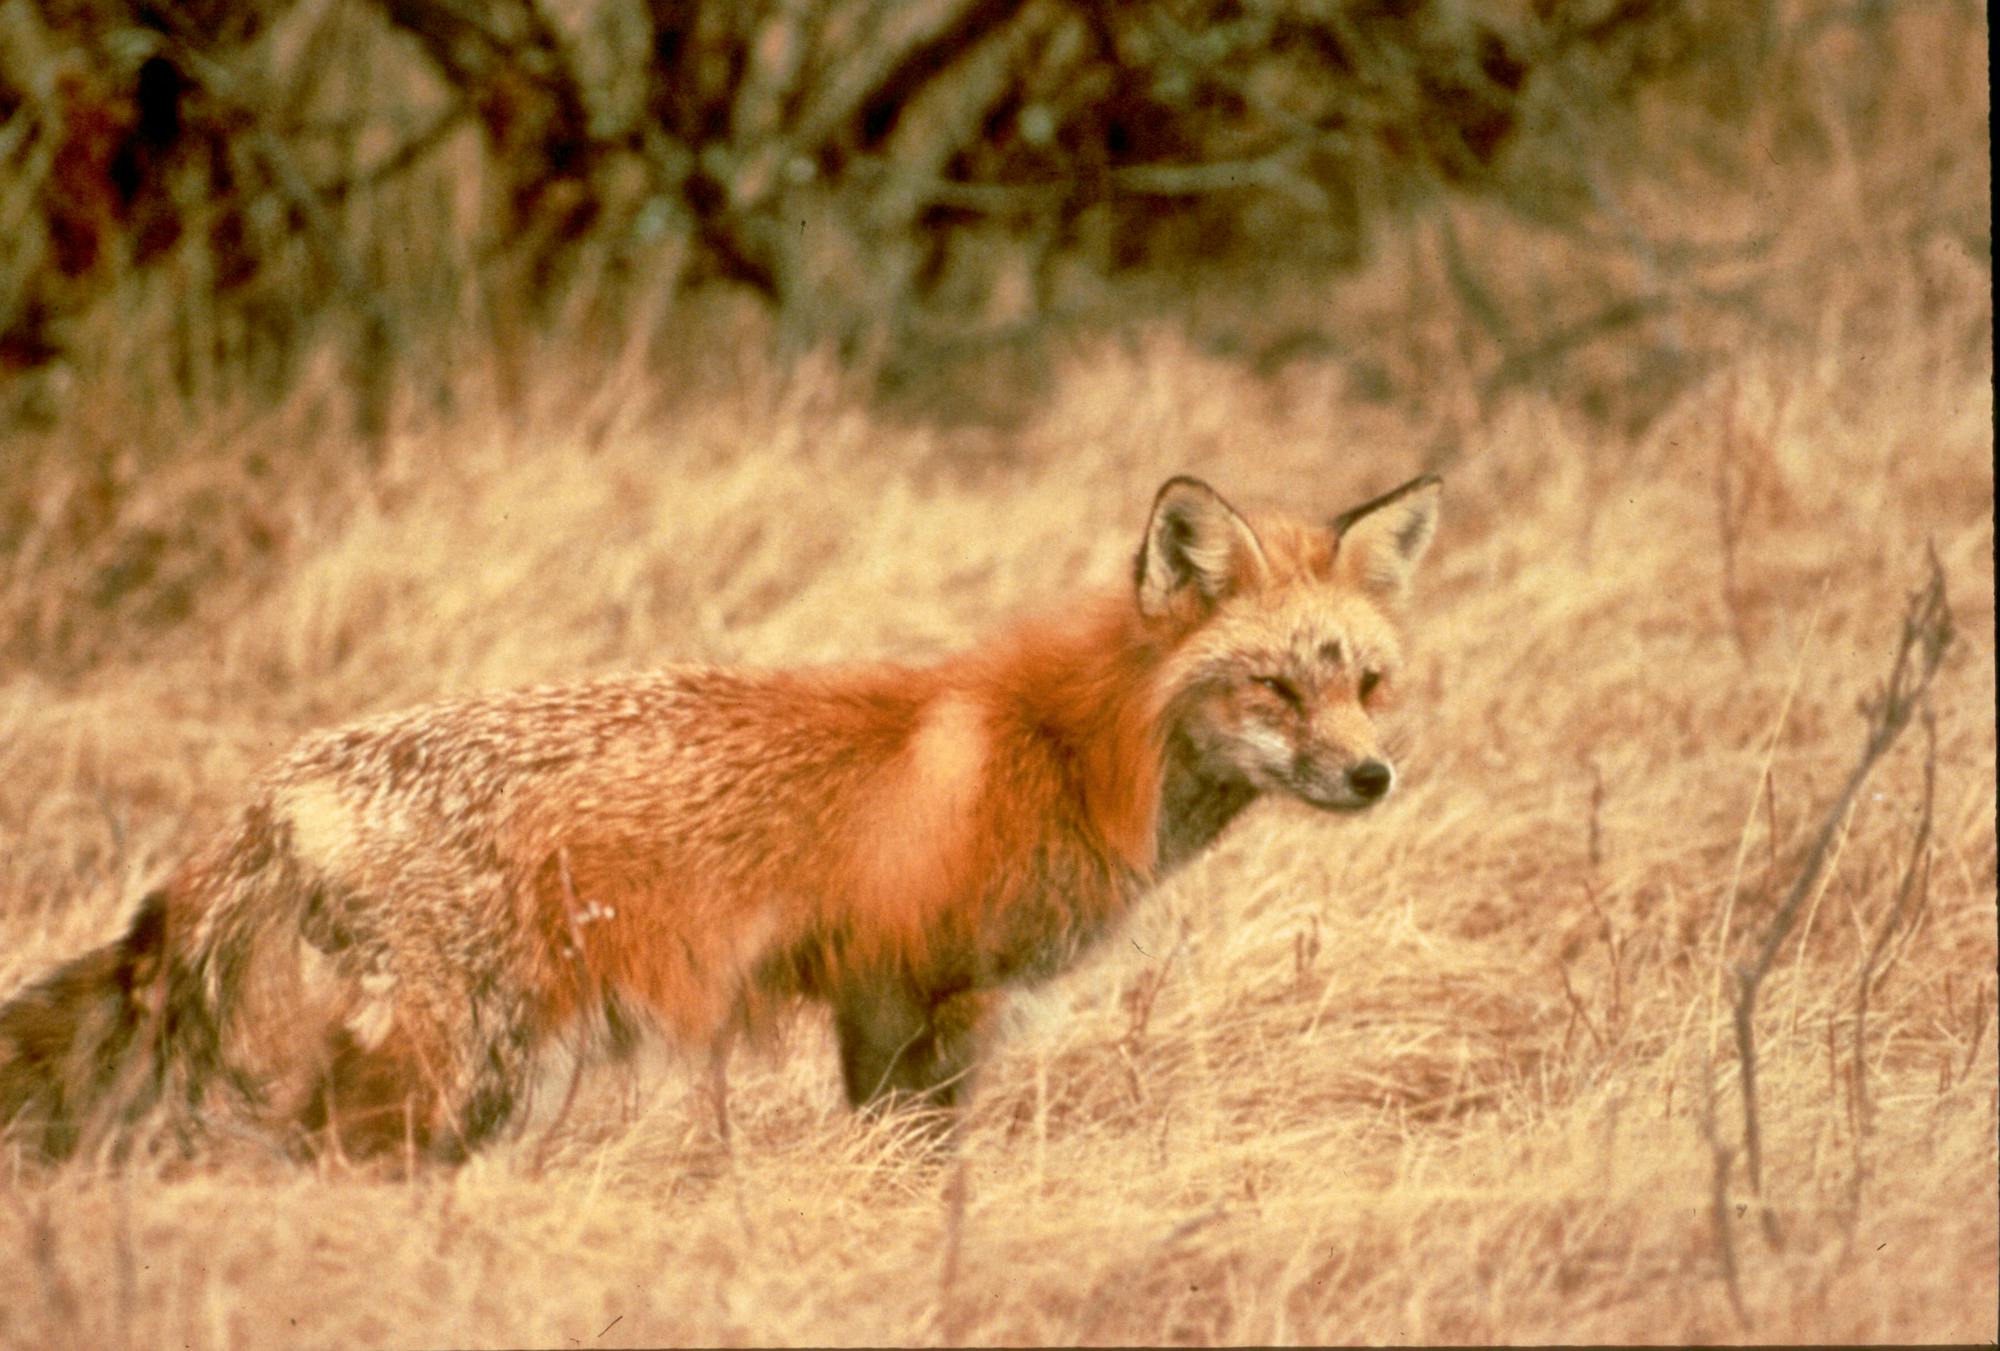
<point>1462,1069</point>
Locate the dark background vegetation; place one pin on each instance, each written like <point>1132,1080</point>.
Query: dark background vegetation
<point>920,186</point>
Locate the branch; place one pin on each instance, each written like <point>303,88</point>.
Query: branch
<point>1926,633</point>
<point>1894,920</point>
<point>1723,1155</point>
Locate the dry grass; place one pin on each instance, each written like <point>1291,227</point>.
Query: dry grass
<point>1439,1073</point>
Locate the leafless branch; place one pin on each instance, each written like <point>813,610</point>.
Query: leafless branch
<point>1920,648</point>
<point>1981,1014</point>
<point>1614,948</point>
<point>1577,1010</point>
<point>1723,1156</point>
<point>1901,917</point>
<point>1142,998</point>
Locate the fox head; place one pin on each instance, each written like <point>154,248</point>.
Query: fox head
<point>1284,636</point>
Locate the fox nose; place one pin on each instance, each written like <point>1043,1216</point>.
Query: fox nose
<point>1370,779</point>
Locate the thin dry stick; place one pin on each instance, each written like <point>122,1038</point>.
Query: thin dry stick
<point>1750,817</point>
<point>1919,652</point>
<point>1980,1005</point>
<point>1904,933</point>
<point>1577,1010</point>
<point>1812,911</point>
<point>1724,1155</point>
<point>1614,947</point>
<point>1891,923</point>
<point>1149,991</point>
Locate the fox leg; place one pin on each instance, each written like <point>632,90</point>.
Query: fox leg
<point>899,1043</point>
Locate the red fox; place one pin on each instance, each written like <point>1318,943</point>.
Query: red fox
<point>412,916</point>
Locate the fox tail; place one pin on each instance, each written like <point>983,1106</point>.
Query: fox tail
<point>81,1049</point>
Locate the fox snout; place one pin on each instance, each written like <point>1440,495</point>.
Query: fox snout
<point>1311,740</point>
<point>1341,784</point>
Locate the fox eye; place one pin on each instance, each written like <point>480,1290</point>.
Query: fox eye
<point>1283,688</point>
<point>1369,681</point>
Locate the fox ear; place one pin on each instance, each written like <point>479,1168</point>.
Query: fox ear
<point>1194,540</point>
<point>1381,541</point>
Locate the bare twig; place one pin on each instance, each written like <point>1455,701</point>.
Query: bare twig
<point>1827,875</point>
<point>227,88</point>
<point>1926,633</point>
<point>1577,1010</point>
<point>1900,917</point>
<point>1614,947</point>
<point>1724,1156</point>
<point>1275,169</point>
<point>1723,927</point>
<point>1149,991</point>
<point>1305,950</point>
<point>908,44</point>
<point>1981,1008</point>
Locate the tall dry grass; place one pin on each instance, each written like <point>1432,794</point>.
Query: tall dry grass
<point>1437,1073</point>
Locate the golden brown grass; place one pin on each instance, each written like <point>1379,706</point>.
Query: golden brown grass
<point>1438,1073</point>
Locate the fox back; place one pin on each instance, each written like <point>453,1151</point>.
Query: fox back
<point>410,919</point>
